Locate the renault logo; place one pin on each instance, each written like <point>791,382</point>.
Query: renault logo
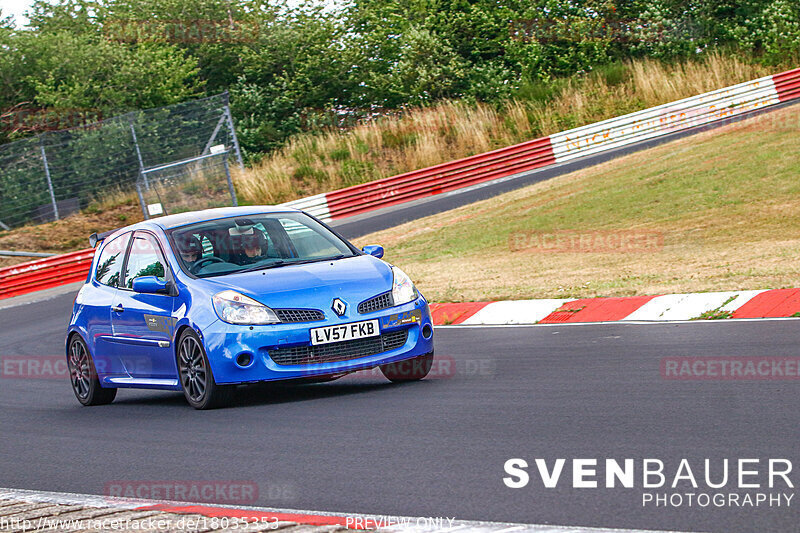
<point>338,306</point>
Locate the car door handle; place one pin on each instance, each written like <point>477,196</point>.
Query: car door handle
<point>118,308</point>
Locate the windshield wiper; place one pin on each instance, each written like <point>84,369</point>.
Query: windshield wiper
<point>286,263</point>
<point>317,259</point>
<point>262,267</point>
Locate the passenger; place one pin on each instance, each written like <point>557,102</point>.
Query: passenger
<point>253,248</point>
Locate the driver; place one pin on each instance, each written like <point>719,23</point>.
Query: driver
<point>190,249</point>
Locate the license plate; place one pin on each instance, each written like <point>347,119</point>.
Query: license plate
<point>344,332</point>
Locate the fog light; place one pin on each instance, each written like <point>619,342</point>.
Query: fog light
<point>244,359</point>
<point>427,331</point>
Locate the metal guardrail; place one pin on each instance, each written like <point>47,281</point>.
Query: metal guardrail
<point>707,108</point>
<point>715,106</point>
<point>45,273</point>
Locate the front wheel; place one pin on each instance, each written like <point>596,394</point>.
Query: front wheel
<point>409,370</point>
<point>197,381</point>
<point>83,375</point>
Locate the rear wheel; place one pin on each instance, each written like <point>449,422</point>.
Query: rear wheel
<point>83,375</point>
<point>409,370</point>
<point>197,381</point>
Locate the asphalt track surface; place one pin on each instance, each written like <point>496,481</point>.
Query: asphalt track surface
<point>433,448</point>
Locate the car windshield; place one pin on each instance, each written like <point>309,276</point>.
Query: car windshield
<point>254,242</point>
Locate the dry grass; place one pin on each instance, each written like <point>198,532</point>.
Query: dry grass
<point>726,202</point>
<point>316,163</point>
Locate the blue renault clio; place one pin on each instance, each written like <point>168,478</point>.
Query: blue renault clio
<point>200,302</point>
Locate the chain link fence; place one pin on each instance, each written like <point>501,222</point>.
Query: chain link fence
<point>175,156</point>
<point>199,183</point>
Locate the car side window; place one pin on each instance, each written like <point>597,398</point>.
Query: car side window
<point>144,259</point>
<point>109,264</point>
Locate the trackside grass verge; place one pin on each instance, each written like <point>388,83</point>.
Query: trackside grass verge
<point>420,137</point>
<point>716,211</point>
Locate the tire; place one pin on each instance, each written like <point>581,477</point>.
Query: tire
<point>409,370</point>
<point>194,374</point>
<point>83,375</point>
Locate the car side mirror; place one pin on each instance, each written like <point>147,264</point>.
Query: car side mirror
<point>152,285</point>
<point>373,250</point>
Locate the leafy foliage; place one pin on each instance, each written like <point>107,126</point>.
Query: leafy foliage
<point>305,66</point>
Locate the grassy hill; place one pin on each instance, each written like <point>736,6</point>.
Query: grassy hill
<point>420,137</point>
<point>725,203</point>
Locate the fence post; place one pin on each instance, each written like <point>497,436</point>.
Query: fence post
<point>230,182</point>
<point>233,133</point>
<point>138,152</point>
<point>47,174</point>
<point>142,203</point>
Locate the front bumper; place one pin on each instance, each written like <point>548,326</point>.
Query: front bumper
<point>225,343</point>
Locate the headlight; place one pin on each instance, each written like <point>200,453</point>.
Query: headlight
<point>403,290</point>
<point>235,308</point>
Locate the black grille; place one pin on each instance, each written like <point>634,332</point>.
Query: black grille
<point>339,351</point>
<point>299,315</point>
<point>376,303</point>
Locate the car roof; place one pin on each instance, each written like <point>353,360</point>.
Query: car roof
<point>191,217</point>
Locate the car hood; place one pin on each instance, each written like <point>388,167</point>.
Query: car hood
<point>311,285</point>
